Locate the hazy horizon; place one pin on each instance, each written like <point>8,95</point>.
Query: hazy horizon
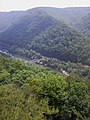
<point>19,5</point>
<point>16,10</point>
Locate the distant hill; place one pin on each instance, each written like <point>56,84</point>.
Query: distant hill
<point>59,33</point>
<point>84,25</point>
<point>9,18</point>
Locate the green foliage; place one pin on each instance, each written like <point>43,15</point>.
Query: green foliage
<point>39,32</point>
<point>28,54</point>
<point>84,25</point>
<point>14,106</point>
<point>30,92</point>
<point>11,103</point>
<point>70,67</point>
<point>69,97</point>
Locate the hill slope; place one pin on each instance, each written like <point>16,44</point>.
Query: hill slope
<point>31,92</point>
<point>9,18</point>
<point>84,25</point>
<point>42,31</point>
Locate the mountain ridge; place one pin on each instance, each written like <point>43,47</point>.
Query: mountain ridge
<point>40,29</point>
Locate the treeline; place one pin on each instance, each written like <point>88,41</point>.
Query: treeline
<point>30,92</point>
<point>78,69</point>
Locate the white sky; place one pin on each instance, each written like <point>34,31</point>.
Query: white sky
<point>9,5</point>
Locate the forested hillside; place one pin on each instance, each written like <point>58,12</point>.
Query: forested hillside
<point>50,32</point>
<point>31,92</point>
<point>45,64</point>
<point>7,19</point>
<point>84,25</point>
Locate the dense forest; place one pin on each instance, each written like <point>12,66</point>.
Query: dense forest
<point>45,64</point>
<point>31,92</point>
<point>45,31</point>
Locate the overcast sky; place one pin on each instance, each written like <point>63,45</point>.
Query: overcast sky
<point>9,5</point>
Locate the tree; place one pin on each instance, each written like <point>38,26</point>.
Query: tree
<point>69,96</point>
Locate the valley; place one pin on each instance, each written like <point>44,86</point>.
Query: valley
<point>39,32</point>
<point>45,64</point>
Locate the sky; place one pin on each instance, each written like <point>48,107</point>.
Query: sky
<point>10,5</point>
